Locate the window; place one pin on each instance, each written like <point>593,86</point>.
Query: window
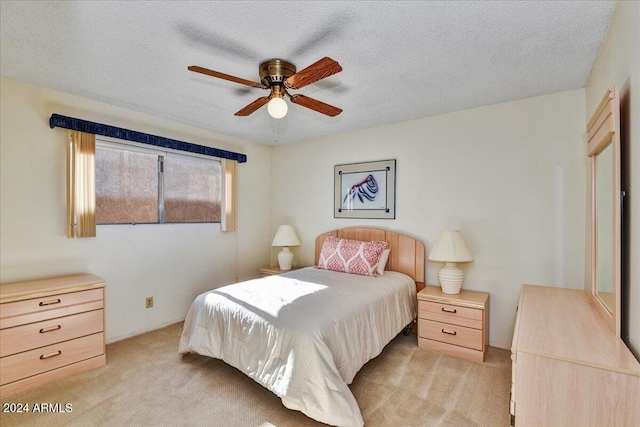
<point>191,190</point>
<point>136,185</point>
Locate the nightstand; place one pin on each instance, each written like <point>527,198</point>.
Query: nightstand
<point>270,271</point>
<point>457,325</point>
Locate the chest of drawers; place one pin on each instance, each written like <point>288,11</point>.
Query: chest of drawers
<point>568,367</point>
<point>50,329</point>
<point>457,325</point>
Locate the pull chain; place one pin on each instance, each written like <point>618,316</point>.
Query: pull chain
<point>275,131</point>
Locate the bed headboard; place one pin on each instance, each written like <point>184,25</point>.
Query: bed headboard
<point>407,253</point>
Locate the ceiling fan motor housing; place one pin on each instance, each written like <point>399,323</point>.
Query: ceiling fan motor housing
<point>275,71</point>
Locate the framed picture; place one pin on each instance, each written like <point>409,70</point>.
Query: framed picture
<point>365,190</point>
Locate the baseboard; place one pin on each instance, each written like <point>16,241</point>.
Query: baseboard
<point>111,340</point>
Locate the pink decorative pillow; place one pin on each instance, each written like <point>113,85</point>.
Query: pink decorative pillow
<point>351,256</point>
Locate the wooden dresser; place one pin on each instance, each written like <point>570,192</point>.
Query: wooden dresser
<point>454,324</point>
<point>50,329</point>
<point>569,369</point>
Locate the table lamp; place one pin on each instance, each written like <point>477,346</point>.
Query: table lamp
<point>450,248</point>
<point>285,237</point>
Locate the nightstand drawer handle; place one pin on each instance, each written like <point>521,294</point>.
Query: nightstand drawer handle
<point>50,329</point>
<point>444,331</point>
<point>50,302</point>
<point>46,356</point>
<point>446,310</point>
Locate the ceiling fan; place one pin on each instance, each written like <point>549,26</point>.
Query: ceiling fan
<point>277,76</point>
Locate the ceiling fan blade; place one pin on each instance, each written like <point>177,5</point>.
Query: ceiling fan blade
<point>314,72</point>
<point>223,76</point>
<point>253,106</point>
<point>315,105</point>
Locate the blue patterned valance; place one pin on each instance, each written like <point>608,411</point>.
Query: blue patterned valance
<point>86,126</point>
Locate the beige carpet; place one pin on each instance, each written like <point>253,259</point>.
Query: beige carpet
<point>147,383</point>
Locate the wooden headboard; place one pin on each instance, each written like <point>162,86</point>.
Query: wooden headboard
<point>407,253</point>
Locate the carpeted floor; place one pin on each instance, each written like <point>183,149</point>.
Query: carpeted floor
<point>147,383</point>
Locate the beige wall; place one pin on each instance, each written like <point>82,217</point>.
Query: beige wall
<point>172,262</point>
<point>510,176</point>
<point>618,62</point>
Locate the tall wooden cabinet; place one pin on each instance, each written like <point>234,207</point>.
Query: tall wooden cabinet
<point>569,368</point>
<point>50,329</point>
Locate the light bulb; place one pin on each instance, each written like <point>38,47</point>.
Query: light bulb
<point>277,108</point>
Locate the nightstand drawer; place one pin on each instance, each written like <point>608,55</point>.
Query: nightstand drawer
<point>23,365</point>
<point>40,334</point>
<point>452,318</point>
<point>447,313</point>
<point>452,334</point>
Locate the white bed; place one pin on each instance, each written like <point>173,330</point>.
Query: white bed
<point>304,335</point>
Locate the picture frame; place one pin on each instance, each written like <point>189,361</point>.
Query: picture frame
<point>365,190</point>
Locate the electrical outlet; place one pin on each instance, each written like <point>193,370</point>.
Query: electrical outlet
<point>149,302</point>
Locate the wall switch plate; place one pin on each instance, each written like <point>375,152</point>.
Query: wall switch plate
<point>149,302</point>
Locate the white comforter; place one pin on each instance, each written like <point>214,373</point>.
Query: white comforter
<point>303,335</point>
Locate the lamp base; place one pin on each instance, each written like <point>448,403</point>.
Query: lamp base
<point>451,278</point>
<point>285,259</point>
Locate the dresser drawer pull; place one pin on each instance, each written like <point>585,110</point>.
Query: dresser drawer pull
<point>444,331</point>
<point>50,302</point>
<point>446,310</point>
<point>50,329</point>
<point>47,356</point>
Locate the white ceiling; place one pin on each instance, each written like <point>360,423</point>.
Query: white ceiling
<point>401,60</point>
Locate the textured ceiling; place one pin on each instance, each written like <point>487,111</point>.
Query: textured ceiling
<point>401,60</point>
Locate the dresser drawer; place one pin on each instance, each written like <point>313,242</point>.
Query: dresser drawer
<point>446,313</point>
<point>38,309</point>
<point>452,334</point>
<point>40,334</point>
<point>33,362</point>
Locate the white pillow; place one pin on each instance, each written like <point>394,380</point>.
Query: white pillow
<point>382,262</point>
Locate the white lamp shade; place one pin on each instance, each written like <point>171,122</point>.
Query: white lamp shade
<point>285,237</point>
<point>450,247</point>
<point>277,108</point>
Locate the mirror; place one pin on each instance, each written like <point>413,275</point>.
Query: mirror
<point>603,147</point>
<point>604,231</point>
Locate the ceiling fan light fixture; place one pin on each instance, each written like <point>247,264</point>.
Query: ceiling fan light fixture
<point>277,108</point>
<point>277,75</point>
